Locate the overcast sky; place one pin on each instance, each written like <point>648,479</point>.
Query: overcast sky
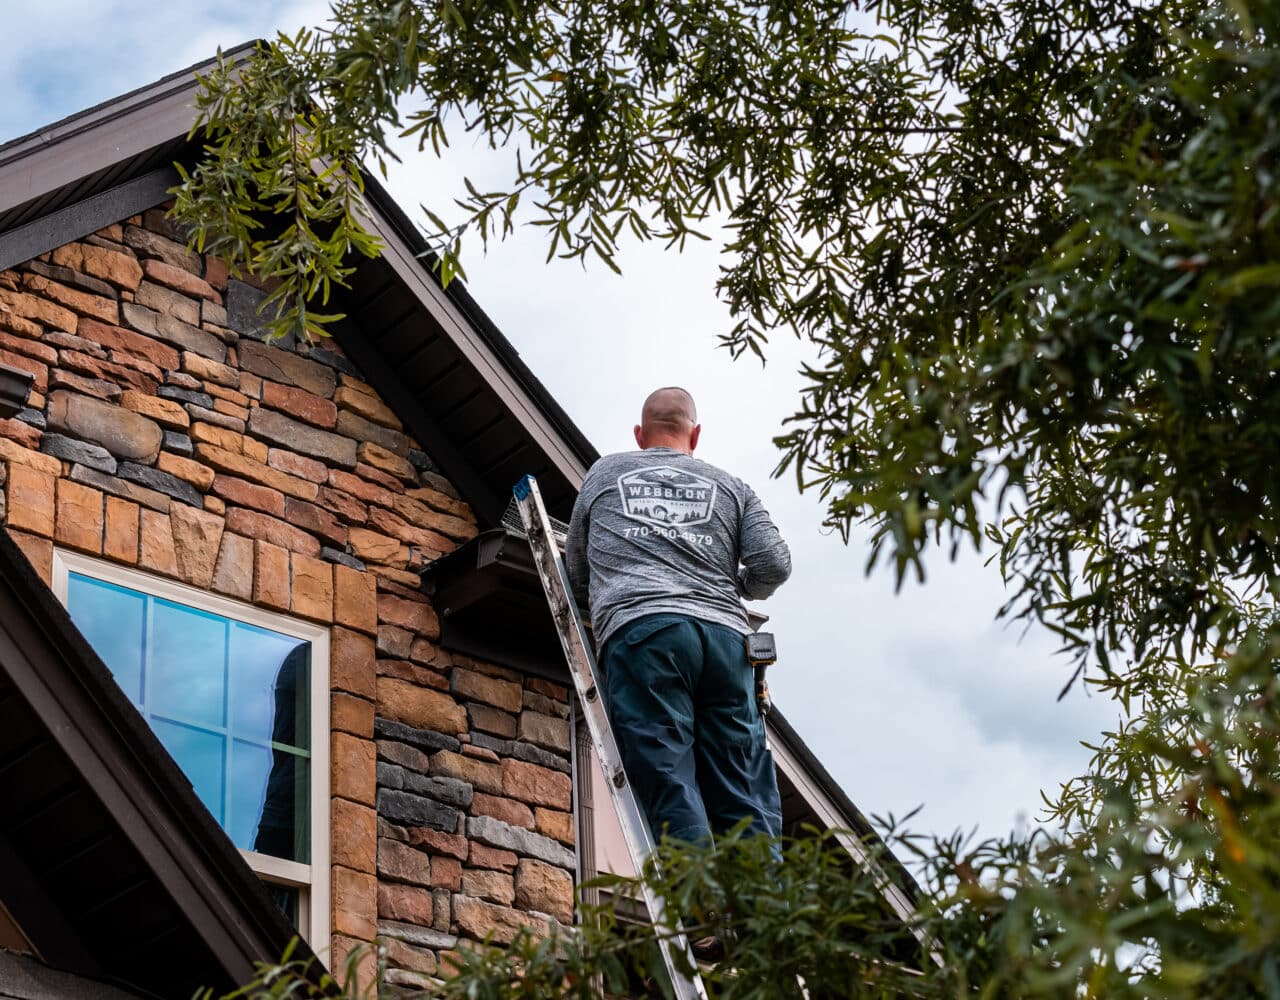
<point>918,698</point>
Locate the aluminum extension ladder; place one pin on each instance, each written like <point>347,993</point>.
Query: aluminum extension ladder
<point>676,953</point>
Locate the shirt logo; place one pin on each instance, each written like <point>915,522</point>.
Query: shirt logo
<point>665,496</point>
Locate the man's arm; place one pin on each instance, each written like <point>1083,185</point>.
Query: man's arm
<point>575,550</point>
<point>766,560</point>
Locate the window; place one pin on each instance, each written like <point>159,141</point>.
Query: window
<point>239,697</point>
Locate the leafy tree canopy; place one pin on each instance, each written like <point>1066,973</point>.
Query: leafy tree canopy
<point>1036,243</point>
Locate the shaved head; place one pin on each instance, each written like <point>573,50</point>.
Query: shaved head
<point>668,419</point>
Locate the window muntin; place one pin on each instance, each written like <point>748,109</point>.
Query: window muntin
<point>235,694</point>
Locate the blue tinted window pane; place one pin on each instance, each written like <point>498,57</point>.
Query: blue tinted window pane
<point>112,619</point>
<point>270,685</point>
<point>187,665</point>
<point>201,756</point>
<point>270,804</point>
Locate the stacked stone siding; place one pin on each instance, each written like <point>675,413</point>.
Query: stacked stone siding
<point>163,433</point>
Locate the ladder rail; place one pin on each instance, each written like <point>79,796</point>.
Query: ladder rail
<point>582,668</point>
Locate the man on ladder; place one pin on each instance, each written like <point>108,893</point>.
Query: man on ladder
<point>663,547</point>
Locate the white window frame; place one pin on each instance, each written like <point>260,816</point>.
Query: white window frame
<point>311,880</point>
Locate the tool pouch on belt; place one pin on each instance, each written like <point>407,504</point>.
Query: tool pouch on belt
<point>761,651</point>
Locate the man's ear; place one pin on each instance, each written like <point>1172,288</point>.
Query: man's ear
<point>639,433</point>
<point>693,437</point>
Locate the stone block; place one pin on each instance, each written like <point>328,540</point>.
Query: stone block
<point>481,774</point>
<point>496,833</point>
<point>95,387</point>
<point>253,524</point>
<point>505,695</point>
<point>244,303</point>
<point>400,862</point>
<point>122,432</point>
<point>80,515</point>
<point>297,436</point>
<point>84,282</point>
<point>120,539</point>
<point>31,500</point>
<point>450,791</point>
<point>394,642</point>
<point>316,520</point>
<point>197,537</point>
<point>544,730</point>
<point>330,554</point>
<point>178,444</point>
<point>167,302</point>
<point>243,493</point>
<point>418,707</point>
<point>181,394</point>
<point>270,574</point>
<point>312,588</point>
<point>485,883</point>
<point>351,663</point>
<point>405,904</point>
<point>416,810</point>
<point>446,873</point>
<point>387,461</point>
<point>360,399</point>
<point>78,452</point>
<point>290,369</point>
<point>353,768</point>
<point>303,405</point>
<point>348,714</point>
<point>233,573</point>
<point>149,244</point>
<point>235,424</point>
<point>530,754</point>
<point>483,856</point>
<point>508,810</point>
<point>536,785</point>
<point>345,482</point>
<point>374,547</point>
<point>298,465</point>
<point>199,476</point>
<point>355,835</point>
<point>422,516</point>
<point>417,616</point>
<point>355,903</point>
<point>544,888</point>
<point>155,551</point>
<point>180,280</point>
<point>491,922</point>
<point>355,599</point>
<point>413,934</point>
<point>162,482</point>
<point>421,739</point>
<point>353,425</point>
<point>440,843</point>
<point>166,412</point>
<point>410,967</point>
<point>491,720</point>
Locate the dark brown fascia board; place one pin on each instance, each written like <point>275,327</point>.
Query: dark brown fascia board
<point>86,216</point>
<point>15,388</point>
<point>57,673</point>
<point>62,153</point>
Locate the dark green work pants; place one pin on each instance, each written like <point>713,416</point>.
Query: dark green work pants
<point>681,697</point>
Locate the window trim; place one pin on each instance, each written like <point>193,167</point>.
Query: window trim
<point>312,879</point>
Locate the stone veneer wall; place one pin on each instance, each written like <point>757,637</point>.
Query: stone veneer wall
<point>162,433</point>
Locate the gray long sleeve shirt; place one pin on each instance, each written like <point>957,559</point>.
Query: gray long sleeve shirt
<point>657,531</point>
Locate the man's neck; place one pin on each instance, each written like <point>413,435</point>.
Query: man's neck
<point>683,449</point>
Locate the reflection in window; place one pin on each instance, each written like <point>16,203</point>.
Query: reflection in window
<point>228,700</point>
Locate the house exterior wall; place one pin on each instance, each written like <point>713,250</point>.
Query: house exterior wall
<point>164,434</point>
